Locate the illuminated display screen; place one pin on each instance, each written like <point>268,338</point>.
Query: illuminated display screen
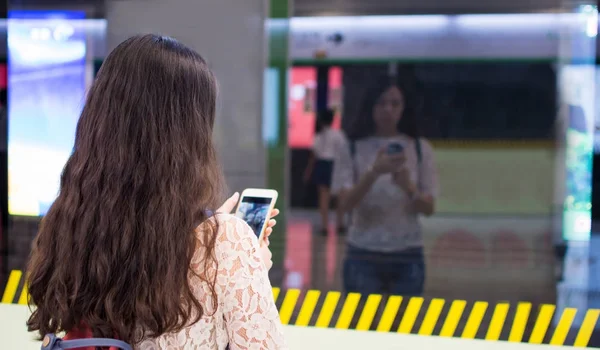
<point>47,80</point>
<point>577,86</point>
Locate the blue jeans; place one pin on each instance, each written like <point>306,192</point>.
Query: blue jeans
<point>400,273</point>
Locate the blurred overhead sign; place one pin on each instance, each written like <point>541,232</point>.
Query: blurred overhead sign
<point>489,36</point>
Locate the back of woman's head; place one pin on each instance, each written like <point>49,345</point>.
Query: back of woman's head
<point>324,119</point>
<point>113,252</point>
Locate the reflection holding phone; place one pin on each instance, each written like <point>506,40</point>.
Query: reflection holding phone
<point>386,176</point>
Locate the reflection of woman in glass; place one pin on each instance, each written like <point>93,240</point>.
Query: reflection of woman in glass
<point>320,166</point>
<point>387,191</point>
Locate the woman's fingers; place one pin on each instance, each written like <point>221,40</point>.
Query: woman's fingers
<point>274,213</point>
<point>269,229</point>
<point>264,242</point>
<point>229,204</point>
<point>398,157</point>
<point>267,257</point>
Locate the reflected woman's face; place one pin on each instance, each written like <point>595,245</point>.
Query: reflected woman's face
<point>388,109</point>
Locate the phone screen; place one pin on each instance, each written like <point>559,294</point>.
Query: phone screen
<point>395,148</point>
<point>255,211</point>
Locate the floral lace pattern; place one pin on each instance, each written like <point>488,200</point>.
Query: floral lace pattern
<point>246,316</point>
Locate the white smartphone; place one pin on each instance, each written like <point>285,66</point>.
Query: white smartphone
<point>255,208</point>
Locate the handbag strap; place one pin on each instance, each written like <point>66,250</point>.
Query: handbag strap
<point>51,342</point>
<point>419,162</point>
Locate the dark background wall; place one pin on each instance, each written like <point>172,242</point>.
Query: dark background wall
<point>466,100</point>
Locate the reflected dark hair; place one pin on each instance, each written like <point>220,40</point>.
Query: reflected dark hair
<point>113,253</point>
<point>324,118</point>
<point>364,125</point>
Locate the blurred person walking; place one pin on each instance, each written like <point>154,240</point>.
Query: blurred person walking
<point>320,167</point>
<point>386,176</point>
<point>129,249</point>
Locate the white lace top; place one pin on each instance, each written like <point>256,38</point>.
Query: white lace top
<point>385,219</point>
<point>246,316</point>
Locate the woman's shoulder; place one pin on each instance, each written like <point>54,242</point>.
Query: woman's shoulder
<point>425,144</point>
<point>337,132</point>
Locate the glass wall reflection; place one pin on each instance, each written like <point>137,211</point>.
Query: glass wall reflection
<point>465,166</point>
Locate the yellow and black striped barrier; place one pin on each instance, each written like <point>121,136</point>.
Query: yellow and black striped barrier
<point>8,297</point>
<point>456,323</point>
<point>415,315</point>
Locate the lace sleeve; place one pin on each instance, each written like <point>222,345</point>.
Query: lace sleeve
<point>246,295</point>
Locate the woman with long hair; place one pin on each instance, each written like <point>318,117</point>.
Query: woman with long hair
<point>130,249</point>
<point>386,175</point>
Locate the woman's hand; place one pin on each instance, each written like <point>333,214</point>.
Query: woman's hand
<point>265,252</point>
<point>229,204</point>
<point>423,203</point>
<point>272,222</point>
<point>388,163</point>
<point>403,180</point>
<point>266,256</point>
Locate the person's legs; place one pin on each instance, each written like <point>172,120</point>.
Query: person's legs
<point>339,218</point>
<point>364,273</point>
<point>361,273</point>
<point>407,274</point>
<point>324,200</point>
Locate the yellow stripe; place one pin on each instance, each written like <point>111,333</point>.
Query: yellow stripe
<point>497,322</point>
<point>586,329</point>
<point>328,309</point>
<point>276,293</point>
<point>289,303</point>
<point>308,307</point>
<point>23,299</point>
<point>563,327</point>
<point>410,316</point>
<point>389,314</point>
<point>542,323</point>
<point>519,323</point>
<point>11,287</point>
<point>368,313</point>
<point>431,317</point>
<point>474,320</point>
<point>456,310</point>
<point>348,310</point>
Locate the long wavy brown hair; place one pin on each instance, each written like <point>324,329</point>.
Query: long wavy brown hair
<point>113,252</point>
